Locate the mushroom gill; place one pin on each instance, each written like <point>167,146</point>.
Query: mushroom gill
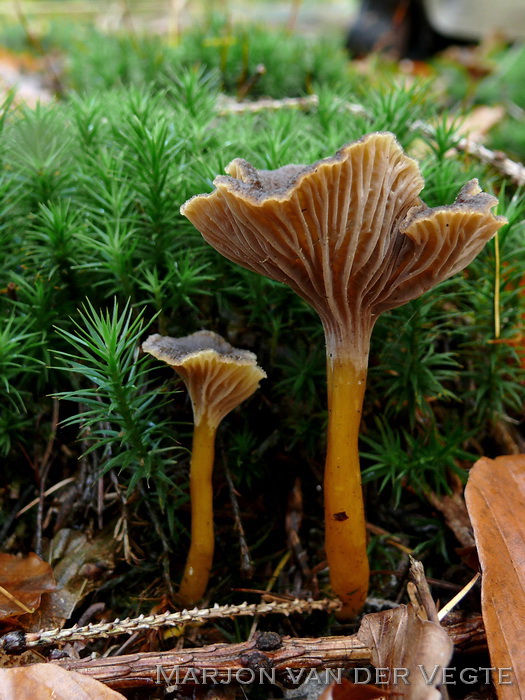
<point>351,236</point>
<point>218,377</point>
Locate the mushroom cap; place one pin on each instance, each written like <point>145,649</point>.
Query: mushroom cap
<point>218,376</point>
<point>349,233</point>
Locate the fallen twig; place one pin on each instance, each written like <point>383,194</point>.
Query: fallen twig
<point>246,567</point>
<point>267,653</point>
<point>19,641</point>
<point>43,471</point>
<point>497,159</point>
<point>230,106</point>
<point>445,610</point>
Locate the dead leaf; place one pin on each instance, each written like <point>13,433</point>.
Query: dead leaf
<point>469,557</point>
<point>24,73</point>
<point>399,639</point>
<point>25,579</point>
<point>495,497</point>
<point>453,507</point>
<point>26,658</point>
<point>473,59</point>
<point>50,682</point>
<point>480,121</point>
<point>80,565</point>
<point>350,691</point>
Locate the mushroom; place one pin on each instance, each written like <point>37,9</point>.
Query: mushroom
<point>350,235</point>
<point>218,377</point>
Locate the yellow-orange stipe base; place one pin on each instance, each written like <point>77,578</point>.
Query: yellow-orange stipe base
<point>200,556</point>
<point>345,534</point>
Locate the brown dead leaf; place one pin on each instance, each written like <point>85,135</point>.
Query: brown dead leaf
<point>469,557</point>
<point>350,691</point>
<point>480,121</point>
<point>452,506</point>
<point>50,682</point>
<point>80,565</point>
<point>495,497</point>
<point>399,639</point>
<point>25,579</point>
<point>473,59</point>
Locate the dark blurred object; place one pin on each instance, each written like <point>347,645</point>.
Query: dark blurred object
<point>400,28</point>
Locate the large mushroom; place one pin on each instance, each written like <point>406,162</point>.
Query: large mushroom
<point>352,237</point>
<point>218,377</point>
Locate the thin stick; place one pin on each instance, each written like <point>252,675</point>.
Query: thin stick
<point>277,571</point>
<point>17,602</point>
<point>228,662</point>
<point>166,550</point>
<point>246,560</point>
<point>22,641</point>
<point>388,538</point>
<point>147,669</point>
<point>294,516</point>
<point>43,472</point>
<point>499,160</point>
<point>417,574</point>
<point>291,25</point>
<point>49,491</point>
<point>227,106</point>
<point>458,597</point>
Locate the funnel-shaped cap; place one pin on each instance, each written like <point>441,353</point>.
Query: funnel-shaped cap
<point>349,233</point>
<point>218,376</point>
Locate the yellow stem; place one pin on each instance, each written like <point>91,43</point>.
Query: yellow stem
<point>345,536</point>
<point>200,556</point>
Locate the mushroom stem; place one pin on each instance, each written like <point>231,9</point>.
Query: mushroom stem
<point>345,534</point>
<point>200,556</point>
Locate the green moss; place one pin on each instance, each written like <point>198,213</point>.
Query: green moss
<point>90,190</point>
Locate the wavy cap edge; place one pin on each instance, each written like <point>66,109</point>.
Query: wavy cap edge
<point>470,197</point>
<point>247,179</point>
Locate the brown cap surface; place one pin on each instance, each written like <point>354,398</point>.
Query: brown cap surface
<point>349,233</point>
<point>218,376</point>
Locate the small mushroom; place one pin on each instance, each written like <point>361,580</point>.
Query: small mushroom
<point>350,235</point>
<point>218,378</point>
